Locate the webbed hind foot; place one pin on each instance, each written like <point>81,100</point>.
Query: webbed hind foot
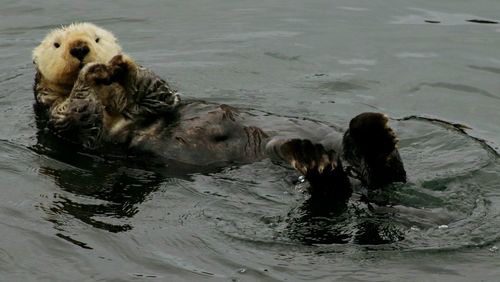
<point>321,168</point>
<point>370,146</point>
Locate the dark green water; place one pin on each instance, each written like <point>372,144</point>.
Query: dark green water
<point>71,216</point>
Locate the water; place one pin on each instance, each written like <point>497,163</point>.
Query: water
<point>67,215</point>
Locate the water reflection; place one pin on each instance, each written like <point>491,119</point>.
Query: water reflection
<point>317,222</point>
<point>105,192</point>
<point>442,197</point>
<point>94,185</point>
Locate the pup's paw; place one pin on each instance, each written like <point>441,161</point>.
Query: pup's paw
<point>120,66</point>
<point>95,73</point>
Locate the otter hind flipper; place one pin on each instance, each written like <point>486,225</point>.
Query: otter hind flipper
<point>321,168</point>
<point>370,146</point>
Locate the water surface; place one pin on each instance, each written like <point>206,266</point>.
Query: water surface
<point>68,215</point>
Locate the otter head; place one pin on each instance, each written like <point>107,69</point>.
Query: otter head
<point>64,51</point>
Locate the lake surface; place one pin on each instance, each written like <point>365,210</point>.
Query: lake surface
<point>67,215</point>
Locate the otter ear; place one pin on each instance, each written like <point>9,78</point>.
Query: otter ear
<point>35,62</point>
<point>34,55</point>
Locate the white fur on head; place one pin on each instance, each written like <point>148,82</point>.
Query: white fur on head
<point>54,61</point>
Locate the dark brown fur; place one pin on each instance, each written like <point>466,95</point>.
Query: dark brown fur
<point>122,103</point>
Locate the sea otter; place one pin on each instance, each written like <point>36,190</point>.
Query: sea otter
<point>95,96</point>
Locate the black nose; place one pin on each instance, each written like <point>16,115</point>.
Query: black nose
<point>79,51</point>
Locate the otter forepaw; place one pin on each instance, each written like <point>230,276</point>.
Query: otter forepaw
<point>116,70</point>
<point>98,74</point>
<point>78,121</point>
<point>119,66</point>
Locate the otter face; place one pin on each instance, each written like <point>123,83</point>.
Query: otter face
<point>64,51</point>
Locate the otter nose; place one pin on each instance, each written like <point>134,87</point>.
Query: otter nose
<point>79,51</point>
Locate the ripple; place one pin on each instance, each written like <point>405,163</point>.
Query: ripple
<point>283,57</point>
<point>493,70</point>
<point>246,36</point>
<point>452,176</point>
<point>457,87</point>
<point>354,9</point>
<point>357,62</point>
<point>428,16</point>
<point>416,55</point>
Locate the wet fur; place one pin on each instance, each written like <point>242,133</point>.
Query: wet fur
<point>57,70</point>
<point>112,100</point>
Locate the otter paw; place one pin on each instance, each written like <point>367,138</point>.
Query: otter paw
<point>78,121</point>
<point>79,110</point>
<point>321,168</point>
<point>119,66</point>
<point>372,135</point>
<point>307,157</point>
<point>370,146</point>
<point>97,74</point>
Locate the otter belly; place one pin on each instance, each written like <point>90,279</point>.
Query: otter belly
<point>211,134</point>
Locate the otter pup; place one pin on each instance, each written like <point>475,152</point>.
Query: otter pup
<point>61,55</point>
<point>119,102</point>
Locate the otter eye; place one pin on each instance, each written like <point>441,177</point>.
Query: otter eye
<point>56,44</point>
<point>97,40</point>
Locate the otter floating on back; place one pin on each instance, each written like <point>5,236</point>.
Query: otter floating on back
<point>93,95</point>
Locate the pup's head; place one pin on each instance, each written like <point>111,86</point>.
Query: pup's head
<point>64,51</point>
